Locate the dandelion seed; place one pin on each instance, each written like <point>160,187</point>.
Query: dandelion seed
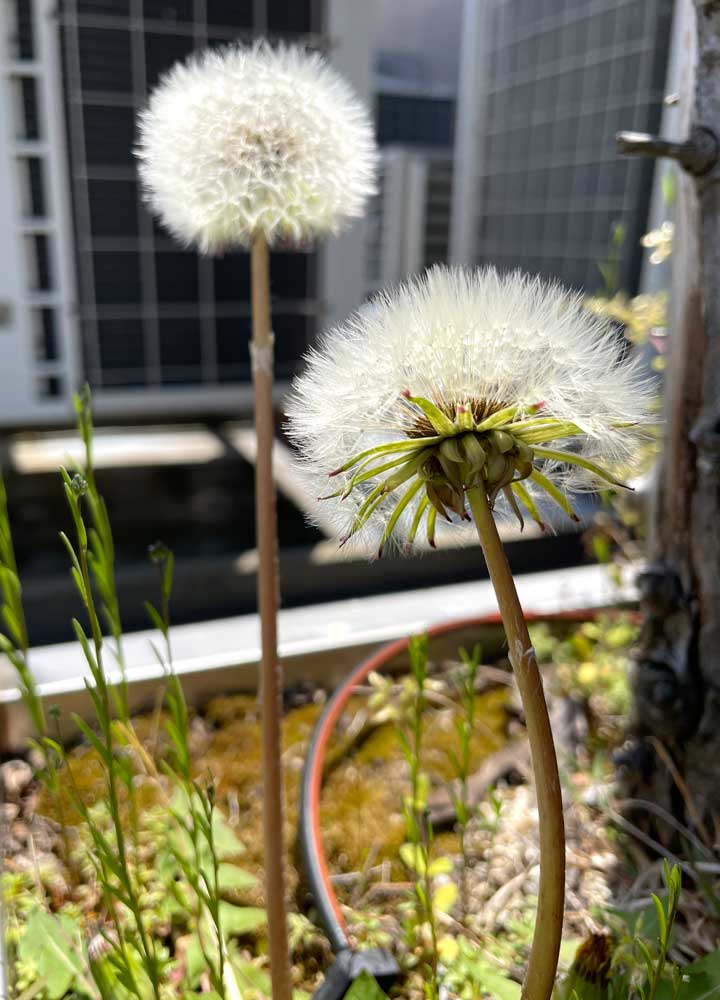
<point>246,140</point>
<point>462,379</point>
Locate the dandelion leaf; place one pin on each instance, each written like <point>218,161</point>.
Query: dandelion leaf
<point>51,944</point>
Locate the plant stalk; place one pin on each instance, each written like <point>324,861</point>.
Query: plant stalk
<point>542,964</point>
<point>261,351</point>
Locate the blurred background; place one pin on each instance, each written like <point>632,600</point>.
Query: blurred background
<point>496,120</point>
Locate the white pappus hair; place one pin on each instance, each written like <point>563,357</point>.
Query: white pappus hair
<point>479,339</point>
<point>241,139</point>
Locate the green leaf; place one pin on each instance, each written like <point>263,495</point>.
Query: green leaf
<point>12,624</point>
<point>154,616</point>
<point>567,950</point>
<point>440,866</point>
<point>413,857</point>
<point>49,944</point>
<point>92,738</point>
<point>647,956</point>
<point>195,963</point>
<point>227,843</point>
<point>701,980</point>
<point>241,919</point>
<point>443,899</point>
<point>496,984</point>
<point>640,922</point>
<point>662,922</point>
<point>365,987</point>
<point>85,645</point>
<point>461,811</point>
<point>248,975</point>
<point>232,878</point>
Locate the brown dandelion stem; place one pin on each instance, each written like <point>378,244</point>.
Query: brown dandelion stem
<point>268,593</point>
<point>542,965</point>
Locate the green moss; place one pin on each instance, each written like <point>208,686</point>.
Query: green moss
<point>366,775</point>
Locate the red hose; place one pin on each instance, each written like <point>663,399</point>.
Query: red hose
<point>310,834</point>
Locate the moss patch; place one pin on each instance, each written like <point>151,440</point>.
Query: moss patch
<point>366,775</point>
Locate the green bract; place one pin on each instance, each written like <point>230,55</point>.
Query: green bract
<point>452,454</point>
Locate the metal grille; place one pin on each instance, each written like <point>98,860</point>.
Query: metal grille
<point>438,207</point>
<point>415,120</point>
<point>24,34</point>
<point>29,125</point>
<point>563,77</point>
<point>152,314</point>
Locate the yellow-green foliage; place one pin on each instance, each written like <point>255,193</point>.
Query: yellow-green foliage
<point>592,663</point>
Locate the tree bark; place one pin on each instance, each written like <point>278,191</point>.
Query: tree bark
<point>677,671</point>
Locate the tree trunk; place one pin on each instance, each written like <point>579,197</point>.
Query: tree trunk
<point>677,673</point>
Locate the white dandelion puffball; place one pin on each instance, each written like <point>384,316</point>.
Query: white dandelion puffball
<point>460,379</point>
<point>243,139</point>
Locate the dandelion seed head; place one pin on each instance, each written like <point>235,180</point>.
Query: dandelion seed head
<point>475,345</point>
<point>264,139</point>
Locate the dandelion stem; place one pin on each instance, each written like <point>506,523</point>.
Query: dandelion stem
<point>542,965</point>
<point>267,589</point>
